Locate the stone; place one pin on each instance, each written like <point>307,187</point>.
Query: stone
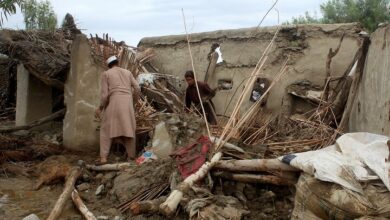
<point>99,176</point>
<point>99,190</point>
<point>109,176</point>
<point>83,187</point>
<point>109,184</point>
<point>268,195</point>
<point>31,217</point>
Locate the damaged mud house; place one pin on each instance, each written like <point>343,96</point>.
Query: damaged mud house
<point>303,123</point>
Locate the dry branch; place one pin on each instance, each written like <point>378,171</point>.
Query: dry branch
<point>65,195</point>
<point>331,54</point>
<point>88,215</point>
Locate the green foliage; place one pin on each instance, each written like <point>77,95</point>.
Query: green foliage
<point>39,15</point>
<point>368,12</point>
<point>8,7</point>
<point>306,19</point>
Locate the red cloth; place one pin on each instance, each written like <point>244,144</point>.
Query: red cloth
<point>190,158</point>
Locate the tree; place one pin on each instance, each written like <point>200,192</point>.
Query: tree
<point>39,15</point>
<point>306,19</point>
<point>7,8</point>
<point>368,12</point>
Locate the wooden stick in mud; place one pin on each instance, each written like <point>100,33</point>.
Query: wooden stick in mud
<point>255,178</point>
<point>169,207</point>
<point>255,165</point>
<point>88,215</point>
<point>65,195</point>
<point>110,167</point>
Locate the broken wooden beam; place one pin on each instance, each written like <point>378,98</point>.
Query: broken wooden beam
<point>255,178</point>
<point>88,215</point>
<point>65,195</point>
<point>255,165</point>
<point>110,167</point>
<point>58,114</point>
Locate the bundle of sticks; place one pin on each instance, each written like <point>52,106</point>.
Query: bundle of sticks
<point>148,194</point>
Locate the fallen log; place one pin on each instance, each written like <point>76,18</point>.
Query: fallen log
<point>254,178</point>
<point>110,167</point>
<point>149,206</point>
<point>169,207</point>
<point>255,165</point>
<point>88,215</point>
<point>69,187</point>
<point>41,121</point>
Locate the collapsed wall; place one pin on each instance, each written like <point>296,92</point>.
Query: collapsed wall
<point>307,47</point>
<point>371,109</point>
<point>82,97</point>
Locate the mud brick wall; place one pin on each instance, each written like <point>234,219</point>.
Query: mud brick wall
<point>306,45</point>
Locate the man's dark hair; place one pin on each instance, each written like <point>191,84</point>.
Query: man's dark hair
<point>115,62</point>
<point>189,73</point>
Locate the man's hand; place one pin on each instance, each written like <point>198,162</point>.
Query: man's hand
<point>98,113</point>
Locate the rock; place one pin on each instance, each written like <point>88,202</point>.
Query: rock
<point>268,195</point>
<point>99,190</point>
<point>99,176</point>
<point>108,176</point>
<point>83,186</point>
<point>109,185</point>
<point>86,177</point>
<point>31,217</point>
<point>81,163</point>
<point>102,217</point>
<point>21,133</point>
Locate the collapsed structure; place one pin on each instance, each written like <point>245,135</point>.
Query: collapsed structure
<point>314,83</point>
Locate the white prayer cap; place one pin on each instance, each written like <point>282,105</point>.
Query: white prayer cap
<point>110,59</point>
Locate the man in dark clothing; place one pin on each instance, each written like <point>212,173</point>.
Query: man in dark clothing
<point>206,93</point>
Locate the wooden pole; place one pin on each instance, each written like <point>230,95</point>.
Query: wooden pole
<point>69,187</point>
<point>110,167</point>
<point>255,165</point>
<point>58,114</point>
<point>88,215</point>
<point>253,178</point>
